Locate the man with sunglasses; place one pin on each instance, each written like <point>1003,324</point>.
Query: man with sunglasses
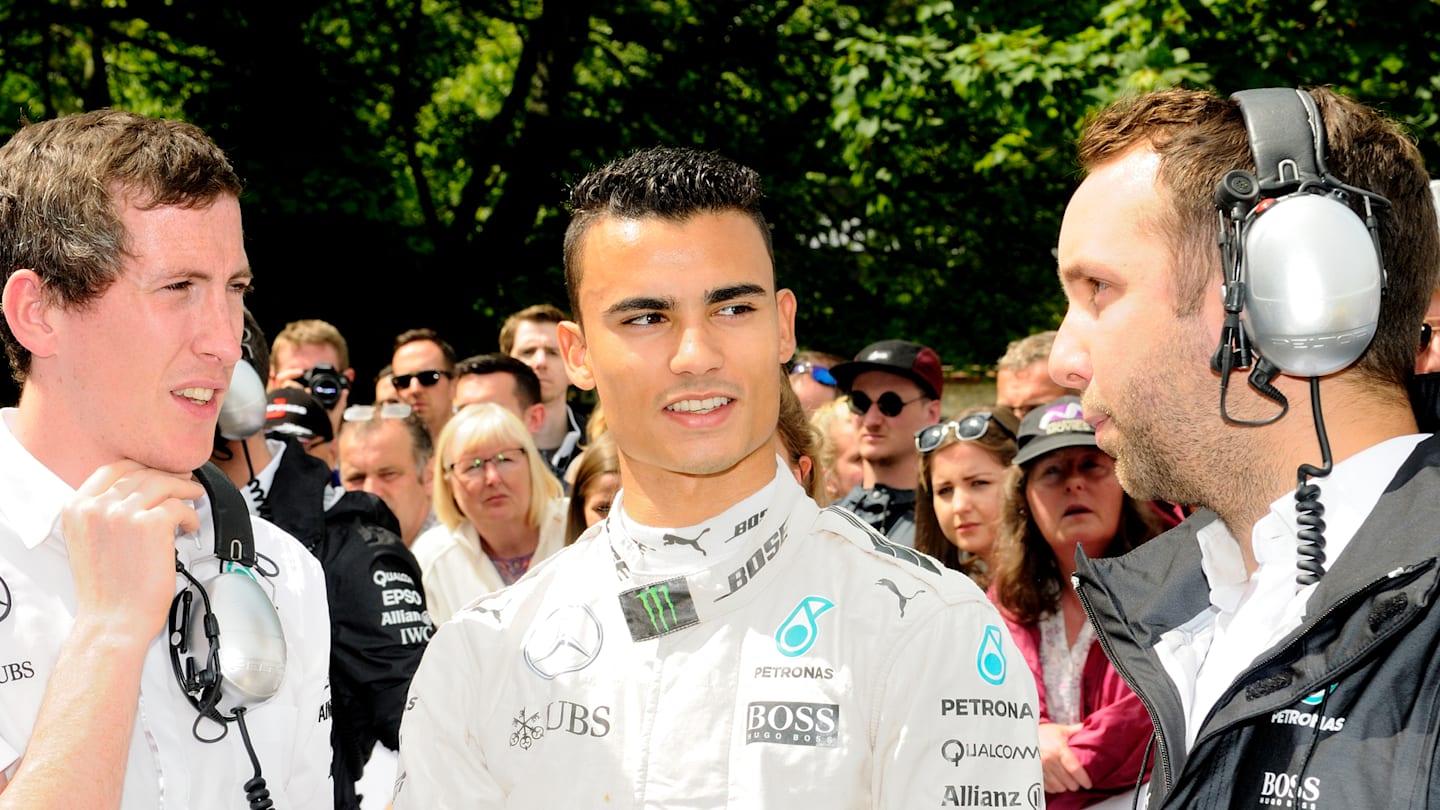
<point>811,380</point>
<point>717,640</point>
<point>423,373</point>
<point>385,450</point>
<point>1425,385</point>
<point>894,388</point>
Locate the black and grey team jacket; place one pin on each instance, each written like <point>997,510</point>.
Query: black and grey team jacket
<point>1344,712</point>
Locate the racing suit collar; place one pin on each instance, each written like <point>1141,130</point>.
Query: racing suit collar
<point>721,557</point>
<point>663,550</point>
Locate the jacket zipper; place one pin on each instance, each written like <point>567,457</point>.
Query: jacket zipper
<point>1162,751</point>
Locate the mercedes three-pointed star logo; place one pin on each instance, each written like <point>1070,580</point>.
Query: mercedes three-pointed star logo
<point>567,640</point>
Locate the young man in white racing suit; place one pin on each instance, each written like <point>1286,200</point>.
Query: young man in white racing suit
<point>718,641</point>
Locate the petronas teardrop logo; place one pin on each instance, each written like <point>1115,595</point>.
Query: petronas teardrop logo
<point>798,631</point>
<point>990,660</point>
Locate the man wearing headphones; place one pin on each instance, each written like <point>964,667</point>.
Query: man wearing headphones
<point>1287,659</point>
<point>124,273</point>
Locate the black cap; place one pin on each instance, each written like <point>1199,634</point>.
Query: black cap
<point>910,360</point>
<point>293,412</point>
<point>1053,426</point>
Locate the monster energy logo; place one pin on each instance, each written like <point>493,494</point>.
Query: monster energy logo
<point>658,608</point>
<point>655,599</point>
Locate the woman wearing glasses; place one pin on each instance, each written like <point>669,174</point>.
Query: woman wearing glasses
<point>1061,495</point>
<point>961,489</point>
<point>499,507</point>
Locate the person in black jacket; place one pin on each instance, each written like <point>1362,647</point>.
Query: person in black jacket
<point>379,623</point>
<point>1246,279</point>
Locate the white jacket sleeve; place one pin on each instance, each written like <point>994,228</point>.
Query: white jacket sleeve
<point>957,720</point>
<point>442,764</point>
<point>309,783</point>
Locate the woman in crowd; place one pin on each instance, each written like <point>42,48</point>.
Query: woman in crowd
<point>796,441</point>
<point>962,487</point>
<point>597,479</point>
<point>500,509</point>
<point>839,452</point>
<point>1062,494</point>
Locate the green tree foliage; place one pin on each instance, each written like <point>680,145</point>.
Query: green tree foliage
<point>956,125</point>
<point>407,162</point>
<point>957,122</point>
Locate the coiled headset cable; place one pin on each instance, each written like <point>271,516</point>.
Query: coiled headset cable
<point>203,687</point>
<point>1309,512</point>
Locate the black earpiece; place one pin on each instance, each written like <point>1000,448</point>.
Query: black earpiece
<point>1237,193</point>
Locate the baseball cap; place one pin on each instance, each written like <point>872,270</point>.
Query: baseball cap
<point>1053,426</point>
<point>910,360</point>
<point>293,412</point>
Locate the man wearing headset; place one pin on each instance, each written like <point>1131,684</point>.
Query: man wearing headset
<point>717,640</point>
<point>124,272</point>
<point>1281,669</point>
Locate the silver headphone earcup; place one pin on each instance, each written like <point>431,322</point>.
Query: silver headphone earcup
<point>1313,284</point>
<point>242,414</point>
<point>252,655</point>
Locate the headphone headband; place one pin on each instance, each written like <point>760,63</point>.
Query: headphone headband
<point>1287,137</point>
<point>234,539</point>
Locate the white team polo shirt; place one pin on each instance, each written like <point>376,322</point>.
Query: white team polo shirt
<point>167,766</point>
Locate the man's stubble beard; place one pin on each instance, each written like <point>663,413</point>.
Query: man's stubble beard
<point>889,458</point>
<point>1169,441</point>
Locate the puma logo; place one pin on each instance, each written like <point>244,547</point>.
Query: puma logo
<point>692,542</point>
<point>896,590</point>
<point>622,570</point>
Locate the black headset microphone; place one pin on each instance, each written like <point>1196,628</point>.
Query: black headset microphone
<point>224,681</point>
<point>1304,276</point>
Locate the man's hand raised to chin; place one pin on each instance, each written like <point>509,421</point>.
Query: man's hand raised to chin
<point>120,534</point>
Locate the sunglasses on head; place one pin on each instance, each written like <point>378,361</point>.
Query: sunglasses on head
<point>890,403</point>
<point>820,374</point>
<point>968,429</point>
<point>425,378</point>
<point>388,410</point>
